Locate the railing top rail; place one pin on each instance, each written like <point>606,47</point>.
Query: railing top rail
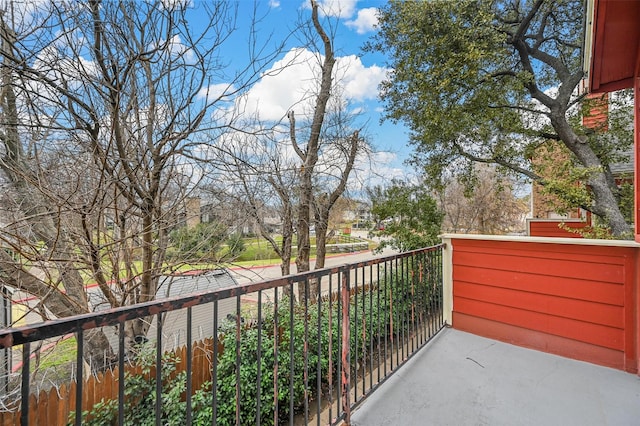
<point>31,333</point>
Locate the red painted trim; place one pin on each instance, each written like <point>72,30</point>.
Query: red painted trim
<point>589,333</point>
<point>561,307</point>
<point>636,120</point>
<point>630,312</point>
<point>613,86</point>
<point>610,294</point>
<point>551,228</point>
<point>598,46</point>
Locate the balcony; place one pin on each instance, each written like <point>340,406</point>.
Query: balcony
<point>463,379</point>
<point>544,331</point>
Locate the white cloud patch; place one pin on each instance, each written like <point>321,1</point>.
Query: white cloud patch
<point>334,8</point>
<point>213,92</point>
<point>365,22</point>
<point>360,83</point>
<point>376,169</point>
<point>292,84</point>
<point>274,4</point>
<point>178,49</point>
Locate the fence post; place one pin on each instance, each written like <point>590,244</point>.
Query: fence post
<point>346,349</point>
<point>447,280</point>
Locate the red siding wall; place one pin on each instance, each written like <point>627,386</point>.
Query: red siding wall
<point>578,301</point>
<point>551,228</point>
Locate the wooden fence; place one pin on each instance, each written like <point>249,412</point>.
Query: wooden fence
<point>54,406</point>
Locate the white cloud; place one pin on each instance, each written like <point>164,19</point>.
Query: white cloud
<point>377,169</point>
<point>292,83</point>
<point>213,92</point>
<point>274,4</point>
<point>334,8</point>
<point>365,22</point>
<point>360,82</point>
<point>176,4</point>
<point>178,49</point>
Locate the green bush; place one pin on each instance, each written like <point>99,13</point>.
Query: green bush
<point>376,313</point>
<point>199,242</point>
<point>235,245</point>
<point>249,365</point>
<point>140,396</point>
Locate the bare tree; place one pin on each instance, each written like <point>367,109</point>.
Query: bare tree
<point>303,173</point>
<point>318,142</point>
<point>260,174</point>
<point>100,103</point>
<point>486,205</point>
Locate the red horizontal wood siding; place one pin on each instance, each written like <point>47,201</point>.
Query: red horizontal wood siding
<point>551,228</point>
<point>578,301</point>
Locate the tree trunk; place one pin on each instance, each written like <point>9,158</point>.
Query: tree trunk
<point>601,181</point>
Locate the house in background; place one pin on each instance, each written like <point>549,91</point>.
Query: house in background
<point>173,331</point>
<point>612,62</point>
<point>552,217</point>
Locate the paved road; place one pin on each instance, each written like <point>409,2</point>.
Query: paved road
<point>259,273</point>
<point>22,315</point>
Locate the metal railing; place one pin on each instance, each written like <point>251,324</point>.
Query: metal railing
<point>275,359</point>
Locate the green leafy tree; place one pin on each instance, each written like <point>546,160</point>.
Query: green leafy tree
<point>410,216</point>
<point>199,242</point>
<point>491,81</point>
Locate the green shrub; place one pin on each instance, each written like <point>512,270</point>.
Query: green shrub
<point>376,313</point>
<point>249,365</point>
<point>235,245</point>
<point>199,242</point>
<point>140,396</point>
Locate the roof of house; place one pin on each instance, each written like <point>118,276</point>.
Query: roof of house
<point>624,167</point>
<point>177,285</point>
<point>611,42</point>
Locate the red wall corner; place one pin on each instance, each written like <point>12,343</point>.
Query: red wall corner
<point>579,300</point>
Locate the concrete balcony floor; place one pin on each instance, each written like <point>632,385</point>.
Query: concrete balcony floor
<point>463,379</point>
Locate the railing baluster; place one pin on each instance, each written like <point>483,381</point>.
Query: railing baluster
<point>79,375</point>
<point>411,276</point>
<point>189,365</point>
<point>121,367</point>
<point>378,317</point>
<point>276,340</point>
<point>214,367</point>
<point>305,354</point>
<point>330,326</point>
<point>403,295</point>
<point>346,355</point>
<point>356,335</point>
<point>388,348</point>
<point>319,358</point>
<point>159,370</point>
<point>24,387</point>
<point>396,291</point>
<point>291,354</point>
<point>340,344</point>
<point>371,327</point>
<point>238,401</point>
<point>259,361</point>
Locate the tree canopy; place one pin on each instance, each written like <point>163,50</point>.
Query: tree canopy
<point>491,81</point>
<point>409,217</point>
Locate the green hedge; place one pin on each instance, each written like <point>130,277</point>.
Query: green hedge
<point>368,309</point>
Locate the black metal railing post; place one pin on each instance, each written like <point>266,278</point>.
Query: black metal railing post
<point>345,375</point>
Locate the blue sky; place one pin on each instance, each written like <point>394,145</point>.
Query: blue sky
<point>352,23</point>
<point>361,72</point>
